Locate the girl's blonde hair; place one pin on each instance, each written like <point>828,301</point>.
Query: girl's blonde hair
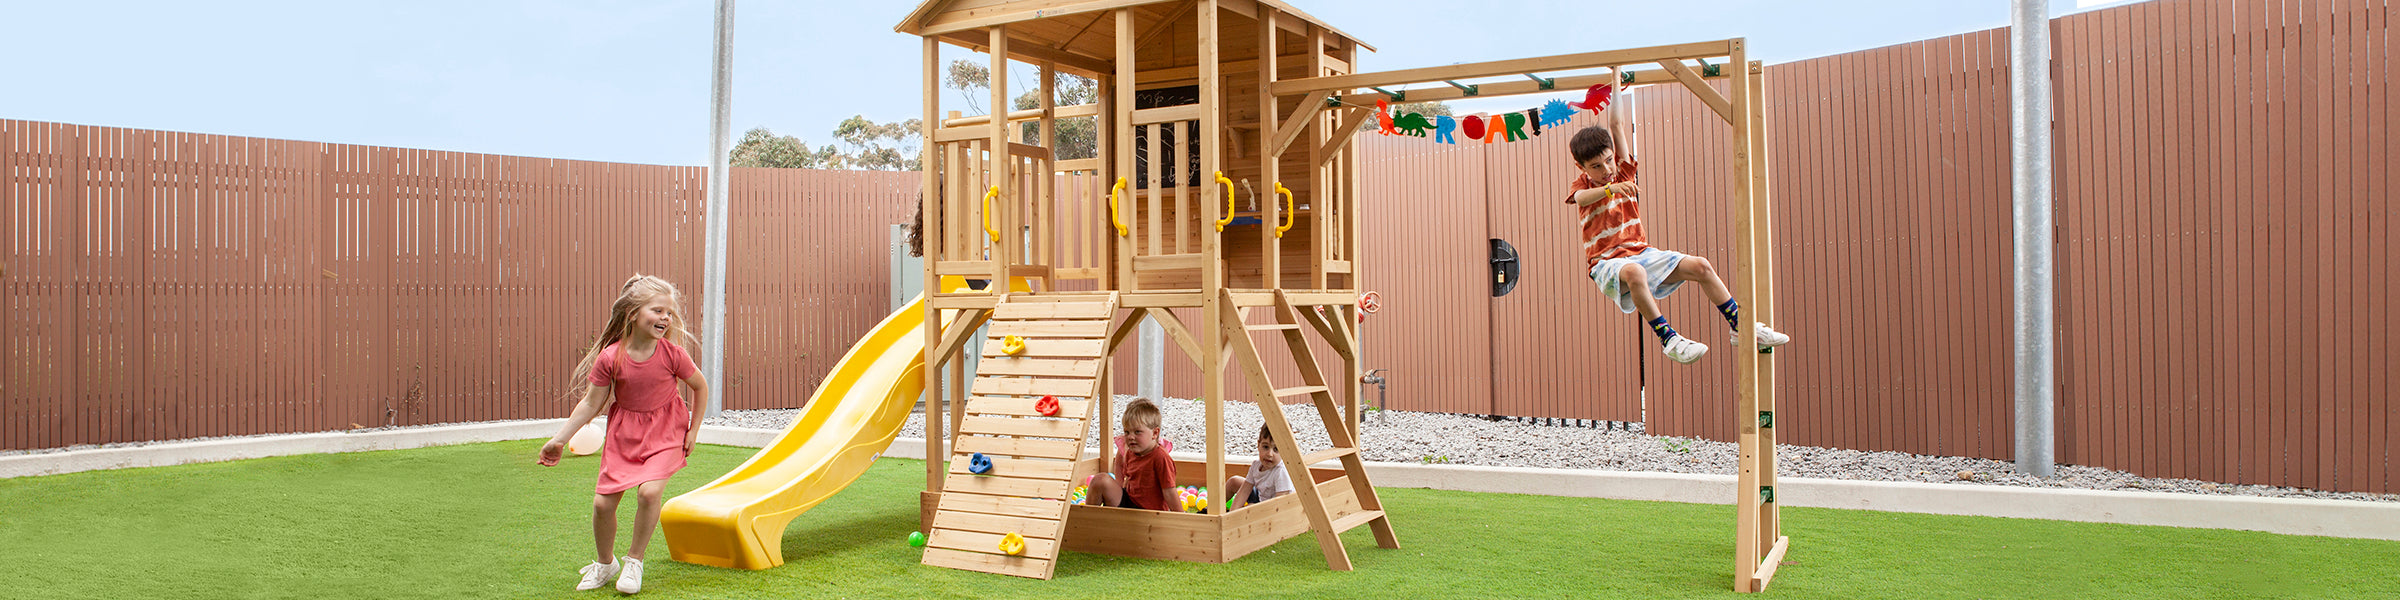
<point>638,291</point>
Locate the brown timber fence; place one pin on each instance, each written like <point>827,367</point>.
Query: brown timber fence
<point>166,285</point>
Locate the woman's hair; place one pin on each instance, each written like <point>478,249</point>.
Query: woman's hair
<point>916,229</point>
<point>638,291</point>
<point>1143,412</point>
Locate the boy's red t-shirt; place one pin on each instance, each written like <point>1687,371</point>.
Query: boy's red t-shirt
<point>1613,227</point>
<point>1144,474</point>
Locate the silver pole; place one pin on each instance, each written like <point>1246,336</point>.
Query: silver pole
<point>2029,128</point>
<point>720,132</point>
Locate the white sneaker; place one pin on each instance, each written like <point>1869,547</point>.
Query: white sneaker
<point>631,581</point>
<point>1768,337</point>
<point>1684,350</point>
<point>596,575</point>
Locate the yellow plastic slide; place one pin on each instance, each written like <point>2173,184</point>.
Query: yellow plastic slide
<point>737,521</point>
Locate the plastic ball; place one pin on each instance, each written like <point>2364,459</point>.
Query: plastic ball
<point>587,440</point>
<point>1192,498</point>
<point>1081,493</point>
<point>916,538</point>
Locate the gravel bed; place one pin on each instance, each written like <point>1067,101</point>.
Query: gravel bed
<point>1437,438</point>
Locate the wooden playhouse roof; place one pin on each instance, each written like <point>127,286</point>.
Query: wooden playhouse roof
<point>1073,33</point>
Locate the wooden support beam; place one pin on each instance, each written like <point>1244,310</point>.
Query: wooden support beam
<point>1176,331</point>
<point>960,331</point>
<point>999,166</point>
<point>1302,116</point>
<point>1520,88</point>
<point>1563,62</point>
<point>1063,112</point>
<point>1691,80</point>
<point>1162,26</point>
<point>1342,135</point>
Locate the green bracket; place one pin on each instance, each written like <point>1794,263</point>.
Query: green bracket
<point>1767,350</point>
<point>1628,78</point>
<point>1709,70</point>
<point>1399,96</point>
<point>1333,102</point>
<point>1471,90</point>
<point>1766,419</point>
<point>1547,84</point>
<point>1766,494</point>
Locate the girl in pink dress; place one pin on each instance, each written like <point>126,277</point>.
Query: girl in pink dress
<point>632,373</point>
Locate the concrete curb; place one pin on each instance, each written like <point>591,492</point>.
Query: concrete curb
<point>2332,518</point>
<point>184,453</point>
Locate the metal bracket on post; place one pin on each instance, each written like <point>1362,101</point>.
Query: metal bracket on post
<point>1766,494</point>
<point>1547,84</point>
<point>1766,419</point>
<point>1471,90</point>
<point>1399,96</point>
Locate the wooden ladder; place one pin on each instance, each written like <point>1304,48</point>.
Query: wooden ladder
<point>1345,441</point>
<point>1032,456</point>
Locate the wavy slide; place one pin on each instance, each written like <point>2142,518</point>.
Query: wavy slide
<point>737,521</point>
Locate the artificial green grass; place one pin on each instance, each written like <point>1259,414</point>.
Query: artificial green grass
<point>483,521</point>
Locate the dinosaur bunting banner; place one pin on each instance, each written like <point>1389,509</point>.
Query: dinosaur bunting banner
<point>1491,128</point>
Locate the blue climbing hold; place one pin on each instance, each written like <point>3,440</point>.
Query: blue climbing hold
<point>979,464</point>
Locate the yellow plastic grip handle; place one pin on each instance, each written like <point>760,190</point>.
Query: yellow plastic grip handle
<point>1290,210</point>
<point>1113,217</point>
<point>1228,183</point>
<point>988,229</point>
<point>1012,544</point>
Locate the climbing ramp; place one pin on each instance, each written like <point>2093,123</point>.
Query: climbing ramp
<point>1028,412</point>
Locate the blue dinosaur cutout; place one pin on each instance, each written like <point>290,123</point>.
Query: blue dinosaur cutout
<point>1557,113</point>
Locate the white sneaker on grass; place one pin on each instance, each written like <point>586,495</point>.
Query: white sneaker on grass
<point>631,581</point>
<point>596,575</point>
<point>1768,337</point>
<point>1684,350</point>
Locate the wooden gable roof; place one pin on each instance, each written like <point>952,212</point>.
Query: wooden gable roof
<point>1077,34</point>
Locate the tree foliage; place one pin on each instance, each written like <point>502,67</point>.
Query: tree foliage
<point>860,144</point>
<point>1078,137</point>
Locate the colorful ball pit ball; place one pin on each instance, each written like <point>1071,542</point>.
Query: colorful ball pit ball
<point>1081,493</point>
<point>1192,498</point>
<point>916,538</point>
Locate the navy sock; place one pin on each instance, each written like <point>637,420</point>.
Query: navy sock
<point>1665,332</point>
<point>1733,314</point>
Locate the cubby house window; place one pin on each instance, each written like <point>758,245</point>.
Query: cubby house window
<point>1174,176</point>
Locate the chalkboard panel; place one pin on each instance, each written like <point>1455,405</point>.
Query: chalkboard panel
<point>1173,175</point>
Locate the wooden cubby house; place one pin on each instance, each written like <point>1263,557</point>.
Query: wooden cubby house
<point>1225,190</point>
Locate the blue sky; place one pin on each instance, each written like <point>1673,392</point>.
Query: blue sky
<point>628,81</point>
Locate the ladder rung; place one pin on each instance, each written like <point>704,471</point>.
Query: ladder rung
<point>1318,457</point>
<point>1357,519</point>
<point>1295,391</point>
<point>1273,327</point>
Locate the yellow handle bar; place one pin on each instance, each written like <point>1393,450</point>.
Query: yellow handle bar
<point>1113,217</point>
<point>1290,210</point>
<point>988,229</point>
<point>1228,183</point>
